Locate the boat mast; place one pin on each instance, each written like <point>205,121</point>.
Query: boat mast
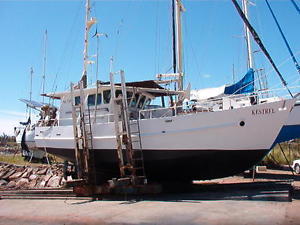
<point>177,10</point>
<point>85,51</point>
<point>174,36</point>
<point>88,24</point>
<point>247,35</point>
<point>44,64</point>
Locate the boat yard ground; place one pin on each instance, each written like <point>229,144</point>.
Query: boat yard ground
<point>233,200</point>
<point>73,212</point>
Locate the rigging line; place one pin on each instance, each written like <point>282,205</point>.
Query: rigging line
<point>189,40</point>
<point>68,44</point>
<point>157,40</point>
<point>280,65</point>
<point>296,6</point>
<point>260,44</point>
<point>284,38</point>
<point>117,37</point>
<point>261,62</point>
<point>267,74</point>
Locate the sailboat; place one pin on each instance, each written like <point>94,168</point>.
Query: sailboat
<point>25,134</point>
<point>173,144</point>
<point>291,128</point>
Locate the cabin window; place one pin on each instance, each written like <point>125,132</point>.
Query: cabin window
<point>129,96</point>
<point>77,100</point>
<point>92,99</point>
<point>148,101</point>
<point>106,96</point>
<point>134,100</point>
<point>118,92</point>
<point>99,99</point>
<point>141,102</point>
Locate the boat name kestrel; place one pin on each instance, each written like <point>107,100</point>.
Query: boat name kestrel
<point>263,111</point>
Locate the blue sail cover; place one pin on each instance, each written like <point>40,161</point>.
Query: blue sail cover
<point>245,85</point>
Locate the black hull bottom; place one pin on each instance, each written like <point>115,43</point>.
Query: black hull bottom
<point>176,165</point>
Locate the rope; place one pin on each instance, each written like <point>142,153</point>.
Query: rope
<point>284,38</point>
<point>296,6</point>
<point>260,44</point>
<point>291,169</point>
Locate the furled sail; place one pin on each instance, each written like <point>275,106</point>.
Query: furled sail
<point>245,85</point>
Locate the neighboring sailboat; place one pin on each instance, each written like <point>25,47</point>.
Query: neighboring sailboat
<point>176,144</point>
<point>290,130</point>
<point>25,135</point>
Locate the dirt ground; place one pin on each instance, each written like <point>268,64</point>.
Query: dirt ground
<point>48,212</point>
<point>228,201</point>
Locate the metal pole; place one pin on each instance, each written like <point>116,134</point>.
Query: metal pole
<point>85,51</point>
<point>247,36</point>
<point>178,9</point>
<point>174,37</point>
<point>30,92</point>
<point>44,66</point>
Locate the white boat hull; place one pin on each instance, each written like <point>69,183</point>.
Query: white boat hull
<point>186,142</point>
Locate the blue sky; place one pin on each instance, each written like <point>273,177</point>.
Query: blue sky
<point>139,40</point>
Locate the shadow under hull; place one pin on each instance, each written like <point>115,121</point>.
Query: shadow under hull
<point>175,165</point>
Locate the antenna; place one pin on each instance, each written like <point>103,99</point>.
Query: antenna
<point>97,35</point>
<point>30,91</point>
<point>111,64</point>
<point>233,73</point>
<point>44,66</point>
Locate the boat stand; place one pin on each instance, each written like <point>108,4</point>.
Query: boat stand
<point>132,178</point>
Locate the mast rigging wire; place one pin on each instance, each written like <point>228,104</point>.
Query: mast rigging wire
<point>296,6</point>
<point>284,38</point>
<point>260,44</point>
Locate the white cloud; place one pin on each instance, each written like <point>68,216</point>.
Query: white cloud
<point>12,113</point>
<point>9,120</point>
<point>207,76</point>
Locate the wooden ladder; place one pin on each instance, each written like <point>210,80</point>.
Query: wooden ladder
<point>128,137</point>
<point>83,138</point>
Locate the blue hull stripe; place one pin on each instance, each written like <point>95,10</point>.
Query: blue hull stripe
<point>288,133</point>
